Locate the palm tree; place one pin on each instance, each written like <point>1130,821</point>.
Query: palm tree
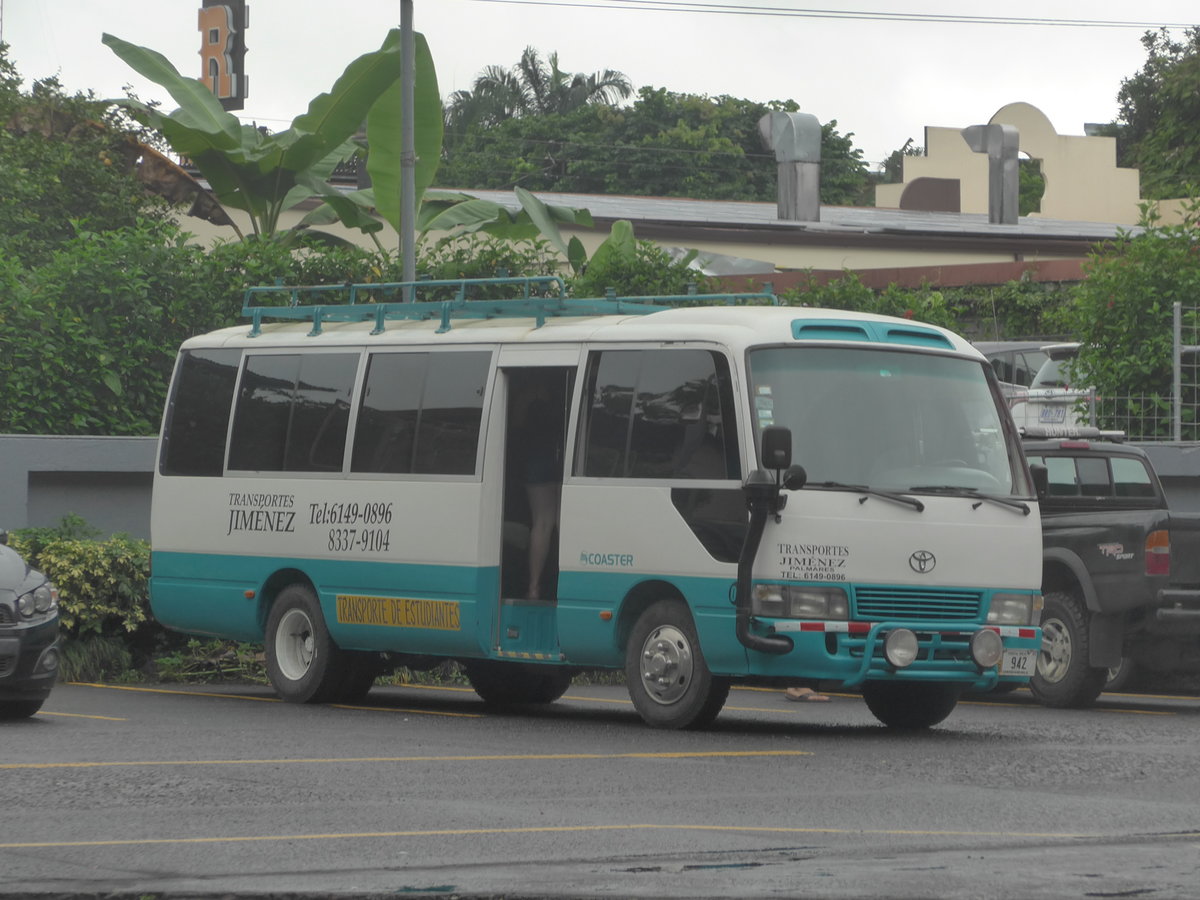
<point>530,88</point>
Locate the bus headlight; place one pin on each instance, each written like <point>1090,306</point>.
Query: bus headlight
<point>900,647</point>
<point>792,601</point>
<point>1014,609</point>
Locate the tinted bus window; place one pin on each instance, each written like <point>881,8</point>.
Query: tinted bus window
<point>451,408</point>
<point>421,413</point>
<point>292,413</point>
<point>198,414</point>
<point>660,414</point>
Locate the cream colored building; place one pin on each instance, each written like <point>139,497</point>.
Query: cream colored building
<point>1088,199</point>
<point>1083,181</point>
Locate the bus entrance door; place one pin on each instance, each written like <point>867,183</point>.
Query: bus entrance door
<point>535,436</point>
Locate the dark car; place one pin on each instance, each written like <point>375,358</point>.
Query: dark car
<point>29,654</point>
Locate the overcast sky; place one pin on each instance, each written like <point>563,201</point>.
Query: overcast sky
<point>882,79</point>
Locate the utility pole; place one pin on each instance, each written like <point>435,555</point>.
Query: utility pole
<point>408,156</point>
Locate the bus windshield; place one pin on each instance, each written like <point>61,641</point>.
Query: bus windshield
<point>889,420</point>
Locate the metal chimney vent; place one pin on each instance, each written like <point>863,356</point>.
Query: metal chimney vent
<point>1001,143</point>
<point>796,140</point>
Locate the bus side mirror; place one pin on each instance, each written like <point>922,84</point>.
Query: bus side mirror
<point>1041,480</point>
<point>776,447</point>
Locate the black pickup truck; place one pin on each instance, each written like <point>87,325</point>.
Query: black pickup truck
<point>1120,571</point>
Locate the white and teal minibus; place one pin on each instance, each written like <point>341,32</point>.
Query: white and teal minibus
<point>742,493</point>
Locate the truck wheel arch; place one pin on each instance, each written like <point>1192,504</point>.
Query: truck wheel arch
<point>1063,570</point>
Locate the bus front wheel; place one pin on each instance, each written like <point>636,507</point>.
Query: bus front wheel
<point>303,662</point>
<point>668,680</point>
<point>912,704</point>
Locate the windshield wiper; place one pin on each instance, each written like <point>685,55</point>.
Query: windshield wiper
<point>873,492</point>
<point>974,493</point>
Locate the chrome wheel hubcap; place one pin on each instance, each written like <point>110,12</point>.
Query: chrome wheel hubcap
<point>666,664</point>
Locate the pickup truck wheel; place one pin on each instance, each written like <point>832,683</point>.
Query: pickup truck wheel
<point>1121,677</point>
<point>1063,678</point>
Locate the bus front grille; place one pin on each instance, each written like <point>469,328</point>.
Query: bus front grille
<point>879,604</point>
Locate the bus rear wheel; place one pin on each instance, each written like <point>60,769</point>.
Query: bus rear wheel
<point>665,672</point>
<point>303,662</point>
<point>910,705</point>
<point>516,684</point>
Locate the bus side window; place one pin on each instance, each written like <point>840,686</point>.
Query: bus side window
<point>660,414</point>
<point>198,413</point>
<point>421,413</point>
<point>451,413</point>
<point>292,412</point>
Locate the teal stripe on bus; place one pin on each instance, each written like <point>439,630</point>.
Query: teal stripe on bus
<point>206,594</point>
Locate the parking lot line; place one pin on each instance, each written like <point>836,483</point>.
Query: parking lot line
<point>502,757</point>
<point>562,829</point>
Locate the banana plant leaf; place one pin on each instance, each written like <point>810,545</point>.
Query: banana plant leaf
<point>384,136</point>
<point>444,211</point>
<point>262,174</point>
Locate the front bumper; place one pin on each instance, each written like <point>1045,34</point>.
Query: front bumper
<point>852,652</point>
<point>29,660</point>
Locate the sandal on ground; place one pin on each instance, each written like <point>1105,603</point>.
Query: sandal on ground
<point>805,695</point>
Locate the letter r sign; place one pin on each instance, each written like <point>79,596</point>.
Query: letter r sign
<point>223,50</point>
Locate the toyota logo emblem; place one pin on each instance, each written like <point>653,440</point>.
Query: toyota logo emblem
<point>922,561</point>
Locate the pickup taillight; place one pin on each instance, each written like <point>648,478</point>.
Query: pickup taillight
<point>1158,553</point>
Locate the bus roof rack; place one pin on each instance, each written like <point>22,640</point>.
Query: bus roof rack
<point>1079,432</point>
<point>538,297</point>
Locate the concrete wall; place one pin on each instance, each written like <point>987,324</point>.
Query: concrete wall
<point>106,480</point>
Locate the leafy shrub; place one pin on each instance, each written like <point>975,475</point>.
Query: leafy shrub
<point>636,268</point>
<point>96,658</point>
<point>102,585</point>
<point>30,542</point>
<point>210,661</point>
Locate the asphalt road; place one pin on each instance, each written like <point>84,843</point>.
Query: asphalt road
<point>222,792</point>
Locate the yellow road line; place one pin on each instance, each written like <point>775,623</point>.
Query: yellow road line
<point>504,757</point>
<point>1103,709</point>
<point>221,696</point>
<point>81,716</point>
<point>564,829</point>
<point>149,690</point>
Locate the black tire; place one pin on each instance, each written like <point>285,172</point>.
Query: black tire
<point>361,670</point>
<point>1063,679</point>
<point>1121,677</point>
<point>516,684</point>
<point>303,662</point>
<point>665,672</point>
<point>11,710</point>
<point>910,705</point>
